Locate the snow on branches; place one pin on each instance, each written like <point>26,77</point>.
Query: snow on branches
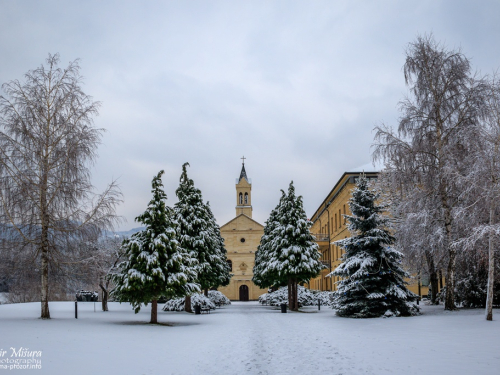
<point>156,265</point>
<point>287,252</point>
<point>306,297</point>
<point>372,282</point>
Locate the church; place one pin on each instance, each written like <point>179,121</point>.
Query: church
<point>241,237</point>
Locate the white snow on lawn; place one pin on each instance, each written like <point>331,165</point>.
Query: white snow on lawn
<point>250,339</point>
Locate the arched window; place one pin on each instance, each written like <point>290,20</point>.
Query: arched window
<point>246,198</point>
<point>241,198</point>
<point>230,262</point>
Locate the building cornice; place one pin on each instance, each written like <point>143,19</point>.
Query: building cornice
<point>336,189</point>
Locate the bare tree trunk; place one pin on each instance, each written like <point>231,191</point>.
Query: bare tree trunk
<point>429,257</point>
<point>433,280</point>
<point>45,314</point>
<point>44,216</point>
<point>419,285</point>
<point>292,294</point>
<point>491,270</point>
<point>295,296</point>
<point>205,291</point>
<point>104,297</point>
<point>187,305</point>
<point>154,311</point>
<point>290,306</point>
<point>449,302</point>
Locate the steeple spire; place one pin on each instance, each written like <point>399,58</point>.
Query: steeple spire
<point>243,172</point>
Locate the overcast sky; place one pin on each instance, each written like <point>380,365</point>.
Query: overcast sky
<point>295,86</point>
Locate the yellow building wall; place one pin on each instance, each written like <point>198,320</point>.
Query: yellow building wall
<point>330,226</point>
<point>242,255</point>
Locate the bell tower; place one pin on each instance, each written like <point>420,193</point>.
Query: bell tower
<point>243,193</point>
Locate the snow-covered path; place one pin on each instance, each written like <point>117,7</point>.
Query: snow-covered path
<point>246,338</point>
<point>273,343</point>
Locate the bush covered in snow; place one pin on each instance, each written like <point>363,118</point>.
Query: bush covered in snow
<point>218,298</point>
<point>4,298</point>
<point>177,304</point>
<point>470,292</point>
<point>471,283</point>
<point>306,297</point>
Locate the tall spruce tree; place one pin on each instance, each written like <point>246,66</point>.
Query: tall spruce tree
<point>373,280</point>
<point>293,253</point>
<point>156,265</point>
<point>262,255</point>
<point>220,274</point>
<point>199,235</point>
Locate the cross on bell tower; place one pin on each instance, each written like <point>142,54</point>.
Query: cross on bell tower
<point>243,193</point>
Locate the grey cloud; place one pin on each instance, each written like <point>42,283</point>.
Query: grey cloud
<point>295,86</point>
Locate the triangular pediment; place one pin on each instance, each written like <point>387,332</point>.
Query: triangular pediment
<point>243,221</point>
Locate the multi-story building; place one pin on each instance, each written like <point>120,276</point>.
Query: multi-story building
<point>329,225</point>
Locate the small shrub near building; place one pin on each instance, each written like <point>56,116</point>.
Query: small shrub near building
<point>306,297</point>
<point>218,298</point>
<point>178,304</point>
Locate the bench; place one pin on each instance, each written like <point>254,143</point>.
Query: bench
<point>205,310</point>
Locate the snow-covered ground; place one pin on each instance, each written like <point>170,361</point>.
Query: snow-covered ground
<point>251,339</point>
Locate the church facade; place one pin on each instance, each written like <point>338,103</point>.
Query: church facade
<point>241,237</point>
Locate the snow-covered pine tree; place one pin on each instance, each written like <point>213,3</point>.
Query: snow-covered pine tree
<point>156,265</point>
<point>373,281</point>
<point>221,271</point>
<point>293,253</point>
<point>197,233</point>
<point>262,255</point>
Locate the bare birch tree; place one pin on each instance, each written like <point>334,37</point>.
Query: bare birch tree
<point>491,136</point>
<point>438,120</point>
<point>47,145</point>
<point>483,178</point>
<point>415,220</point>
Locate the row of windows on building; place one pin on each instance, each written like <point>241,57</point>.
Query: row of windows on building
<point>336,252</point>
<point>336,221</point>
<point>326,283</point>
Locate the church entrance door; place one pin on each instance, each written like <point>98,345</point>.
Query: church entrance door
<point>243,293</point>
